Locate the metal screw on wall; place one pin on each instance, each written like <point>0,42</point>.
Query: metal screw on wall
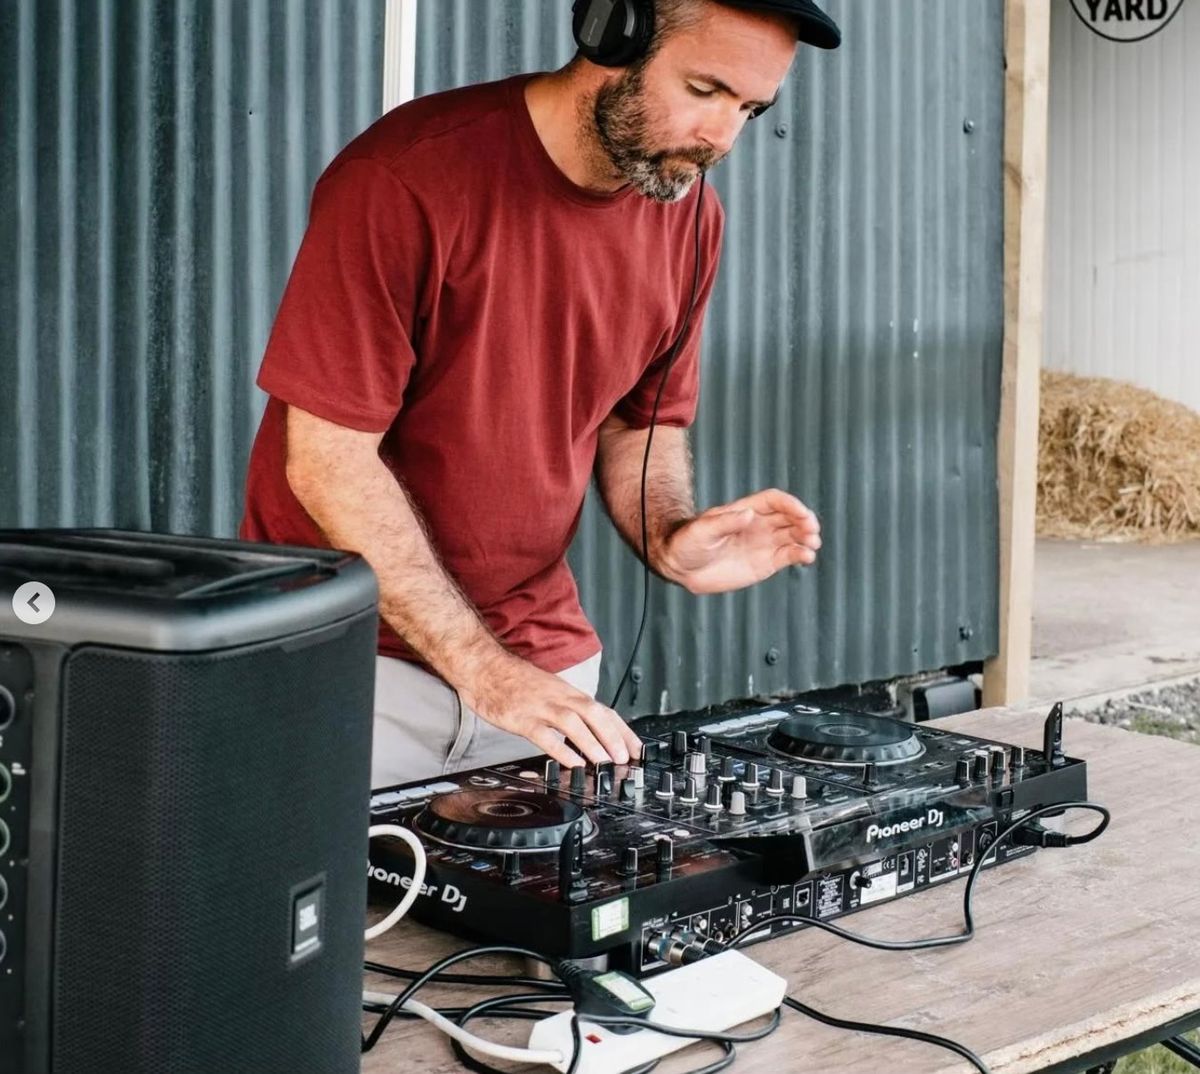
<point>965,633</point>
<point>637,675</point>
<point>781,130</point>
<point>772,656</point>
<point>968,126</point>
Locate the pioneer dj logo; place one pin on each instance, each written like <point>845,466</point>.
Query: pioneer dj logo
<point>1126,20</point>
<point>450,895</point>
<point>934,818</point>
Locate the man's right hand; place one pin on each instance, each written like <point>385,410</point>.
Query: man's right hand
<point>517,697</point>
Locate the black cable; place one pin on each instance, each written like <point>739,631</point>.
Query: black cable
<point>433,971</point>
<point>475,979</point>
<point>889,1031</point>
<point>672,354</point>
<point>691,1034</point>
<point>968,918</point>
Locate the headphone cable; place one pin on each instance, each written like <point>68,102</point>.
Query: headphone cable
<point>672,354</point>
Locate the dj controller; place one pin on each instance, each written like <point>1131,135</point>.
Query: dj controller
<point>720,824</point>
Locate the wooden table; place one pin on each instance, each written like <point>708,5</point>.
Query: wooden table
<point>1080,954</point>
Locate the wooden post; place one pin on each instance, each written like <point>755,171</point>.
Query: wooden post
<point>1027,53</point>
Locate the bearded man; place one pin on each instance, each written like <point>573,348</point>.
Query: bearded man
<point>493,287</point>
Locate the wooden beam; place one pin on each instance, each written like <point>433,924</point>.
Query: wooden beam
<point>1026,100</point>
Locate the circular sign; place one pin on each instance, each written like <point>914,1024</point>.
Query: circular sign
<point>1126,20</point>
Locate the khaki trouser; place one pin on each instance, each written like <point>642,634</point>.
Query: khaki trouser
<point>423,729</point>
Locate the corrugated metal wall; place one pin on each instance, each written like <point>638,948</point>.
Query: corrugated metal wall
<point>155,165</point>
<point>852,354</point>
<point>156,160</point>
<point>1123,219</point>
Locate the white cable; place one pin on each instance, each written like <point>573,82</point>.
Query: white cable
<point>418,877</point>
<point>468,1039</point>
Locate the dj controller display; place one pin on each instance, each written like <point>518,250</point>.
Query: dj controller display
<point>722,823</point>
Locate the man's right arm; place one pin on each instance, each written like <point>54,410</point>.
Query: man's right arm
<point>338,477</point>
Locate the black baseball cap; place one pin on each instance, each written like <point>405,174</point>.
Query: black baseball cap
<point>814,27</point>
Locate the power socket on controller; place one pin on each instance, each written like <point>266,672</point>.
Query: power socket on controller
<point>713,994</point>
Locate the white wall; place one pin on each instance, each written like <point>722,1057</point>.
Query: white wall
<point>1123,205</point>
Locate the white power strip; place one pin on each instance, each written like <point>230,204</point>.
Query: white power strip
<point>713,994</point>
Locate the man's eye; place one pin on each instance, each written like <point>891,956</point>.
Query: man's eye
<point>701,91</point>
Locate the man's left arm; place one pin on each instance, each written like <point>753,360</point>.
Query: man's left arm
<point>723,548</point>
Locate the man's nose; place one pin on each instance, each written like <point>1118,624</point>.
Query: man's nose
<point>721,129</point>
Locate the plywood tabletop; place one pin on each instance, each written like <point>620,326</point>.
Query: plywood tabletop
<point>1075,948</point>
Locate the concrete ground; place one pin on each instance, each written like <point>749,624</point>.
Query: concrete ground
<point>1110,619</point>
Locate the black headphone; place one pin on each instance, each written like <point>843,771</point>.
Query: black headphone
<point>613,33</point>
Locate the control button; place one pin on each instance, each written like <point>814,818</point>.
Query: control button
<point>697,764</point>
<point>799,787</point>
<point>33,603</point>
<point>750,776</point>
<point>639,777</point>
<point>5,783</point>
<point>997,760</point>
<point>512,868</point>
<point>712,800</point>
<point>691,792</point>
<point>962,771</point>
<point>679,744</point>
<point>729,768</point>
<point>650,750</point>
<point>737,804</point>
<point>604,779</point>
<point>578,778</point>
<point>869,774</point>
<point>8,708</point>
<point>665,853</point>
<point>705,746</point>
<point>1016,760</point>
<point>775,784</point>
<point>666,785</point>
<point>629,861</point>
<point>979,766</point>
<point>552,773</point>
<point>628,788</point>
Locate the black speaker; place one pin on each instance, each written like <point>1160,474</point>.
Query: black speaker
<point>185,743</point>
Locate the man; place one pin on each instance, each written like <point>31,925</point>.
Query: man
<point>477,321</point>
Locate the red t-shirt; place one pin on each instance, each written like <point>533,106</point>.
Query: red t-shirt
<point>458,293</point>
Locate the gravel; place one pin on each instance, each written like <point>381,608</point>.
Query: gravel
<point>1172,710</point>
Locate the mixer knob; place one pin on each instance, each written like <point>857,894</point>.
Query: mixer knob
<point>729,768</point>
<point>712,800</point>
<point>665,853</point>
<point>666,785</point>
<point>691,792</point>
<point>737,804</point>
<point>962,771</point>
<point>578,779</point>
<point>1016,759</point>
<point>775,785</point>
<point>799,787</point>
<point>628,788</point>
<point>512,868</point>
<point>639,777</point>
<point>604,779</point>
<point>679,744</point>
<point>997,760</point>
<point>869,772</point>
<point>750,776</point>
<point>629,861</point>
<point>705,746</point>
<point>979,767</point>
<point>697,764</point>
<point>650,750</point>
<point>551,773</point>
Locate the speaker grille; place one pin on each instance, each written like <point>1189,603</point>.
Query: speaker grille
<point>196,792</point>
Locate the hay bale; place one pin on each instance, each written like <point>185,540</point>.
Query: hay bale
<point>1116,461</point>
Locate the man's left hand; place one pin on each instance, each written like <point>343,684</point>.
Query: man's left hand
<point>741,543</point>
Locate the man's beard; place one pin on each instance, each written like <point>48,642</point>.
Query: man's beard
<point>623,129</point>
